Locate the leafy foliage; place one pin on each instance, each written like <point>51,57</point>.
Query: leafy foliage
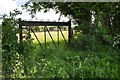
<point>96,57</point>
<point>53,64</point>
<point>106,13</point>
<point>117,41</point>
<point>106,18</point>
<point>10,46</point>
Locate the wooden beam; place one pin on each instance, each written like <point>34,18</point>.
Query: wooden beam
<point>69,34</point>
<point>42,23</point>
<point>20,37</point>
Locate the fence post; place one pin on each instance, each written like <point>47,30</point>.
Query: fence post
<point>58,34</point>
<point>45,36</point>
<point>69,32</point>
<point>20,35</point>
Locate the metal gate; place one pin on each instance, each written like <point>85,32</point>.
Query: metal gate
<point>45,24</point>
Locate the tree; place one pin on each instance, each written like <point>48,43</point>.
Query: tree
<point>81,12</point>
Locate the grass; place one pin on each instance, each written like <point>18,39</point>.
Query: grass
<point>64,62</point>
<point>40,36</point>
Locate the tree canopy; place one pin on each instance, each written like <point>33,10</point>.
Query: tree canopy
<point>106,13</point>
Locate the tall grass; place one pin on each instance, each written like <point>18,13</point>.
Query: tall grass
<point>65,62</point>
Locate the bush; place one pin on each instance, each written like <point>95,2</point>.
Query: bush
<point>86,42</point>
<point>11,60</point>
<point>9,47</point>
<point>92,38</point>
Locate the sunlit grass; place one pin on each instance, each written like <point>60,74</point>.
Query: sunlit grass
<point>54,34</point>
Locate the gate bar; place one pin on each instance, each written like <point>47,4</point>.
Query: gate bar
<point>50,36</point>
<point>36,38</point>
<point>69,33</point>
<point>58,34</point>
<point>20,37</point>
<point>63,36</point>
<point>45,36</point>
<point>42,23</point>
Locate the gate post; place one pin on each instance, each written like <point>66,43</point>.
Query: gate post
<point>69,32</point>
<point>20,36</point>
<point>45,36</point>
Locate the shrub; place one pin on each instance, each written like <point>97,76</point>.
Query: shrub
<point>92,38</point>
<point>85,42</point>
<point>11,60</point>
<point>9,47</point>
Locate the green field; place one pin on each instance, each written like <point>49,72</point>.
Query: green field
<point>54,35</point>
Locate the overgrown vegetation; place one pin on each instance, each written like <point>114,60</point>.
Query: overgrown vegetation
<point>11,46</point>
<point>66,63</point>
<point>61,62</point>
<point>94,50</point>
